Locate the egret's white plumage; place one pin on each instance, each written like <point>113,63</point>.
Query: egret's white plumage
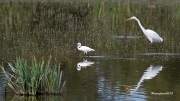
<point>150,34</point>
<point>84,64</point>
<point>84,49</point>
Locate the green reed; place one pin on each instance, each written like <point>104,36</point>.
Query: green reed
<point>34,78</point>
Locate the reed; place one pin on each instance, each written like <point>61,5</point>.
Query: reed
<point>34,78</point>
<point>55,27</point>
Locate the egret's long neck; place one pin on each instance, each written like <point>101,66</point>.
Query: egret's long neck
<point>142,28</point>
<point>78,46</point>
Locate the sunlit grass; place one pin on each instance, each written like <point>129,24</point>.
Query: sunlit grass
<point>34,78</point>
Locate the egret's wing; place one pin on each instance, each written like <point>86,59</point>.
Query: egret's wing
<point>85,48</point>
<point>153,35</point>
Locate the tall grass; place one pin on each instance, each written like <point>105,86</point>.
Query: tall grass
<point>34,78</point>
<point>43,28</point>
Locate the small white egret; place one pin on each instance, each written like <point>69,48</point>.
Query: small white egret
<point>151,35</point>
<point>84,49</point>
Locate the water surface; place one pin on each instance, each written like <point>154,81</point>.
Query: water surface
<point>115,78</point>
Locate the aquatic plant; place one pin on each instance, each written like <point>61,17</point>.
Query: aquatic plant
<point>34,79</point>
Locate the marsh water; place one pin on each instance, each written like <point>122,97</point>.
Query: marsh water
<point>122,66</point>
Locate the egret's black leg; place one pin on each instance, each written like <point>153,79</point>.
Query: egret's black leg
<point>155,48</point>
<point>149,49</point>
<point>160,45</point>
<point>87,54</point>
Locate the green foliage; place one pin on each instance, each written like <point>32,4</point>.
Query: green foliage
<point>35,78</point>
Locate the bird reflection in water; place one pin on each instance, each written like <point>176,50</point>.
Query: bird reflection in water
<point>150,73</point>
<point>84,64</point>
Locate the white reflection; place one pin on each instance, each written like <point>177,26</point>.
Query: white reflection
<point>150,73</point>
<point>84,64</point>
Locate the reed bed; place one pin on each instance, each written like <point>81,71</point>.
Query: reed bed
<point>35,78</point>
<point>43,28</point>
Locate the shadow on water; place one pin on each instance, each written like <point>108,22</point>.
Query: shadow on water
<point>37,98</point>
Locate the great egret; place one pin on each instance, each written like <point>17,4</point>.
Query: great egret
<point>84,49</point>
<point>151,35</point>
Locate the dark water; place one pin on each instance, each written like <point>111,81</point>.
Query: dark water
<point>113,78</point>
<point>121,67</point>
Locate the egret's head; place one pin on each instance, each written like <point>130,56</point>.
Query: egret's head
<point>78,67</point>
<point>78,44</point>
<point>133,17</point>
